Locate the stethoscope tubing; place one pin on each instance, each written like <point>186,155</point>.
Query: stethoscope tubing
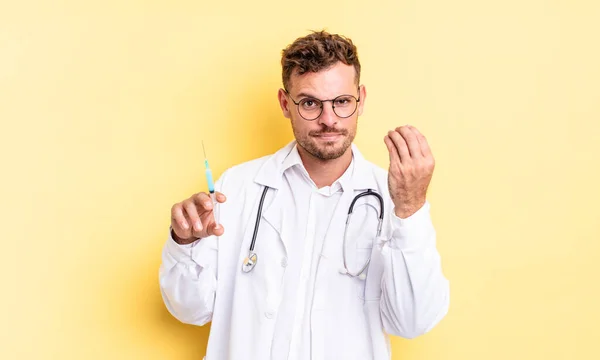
<point>250,261</point>
<point>258,216</point>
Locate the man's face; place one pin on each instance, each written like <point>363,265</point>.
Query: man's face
<point>328,136</point>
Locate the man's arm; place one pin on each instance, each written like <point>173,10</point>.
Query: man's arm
<point>188,280</point>
<point>415,293</point>
<point>188,272</point>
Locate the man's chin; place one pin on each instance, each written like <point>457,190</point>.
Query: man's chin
<point>329,150</point>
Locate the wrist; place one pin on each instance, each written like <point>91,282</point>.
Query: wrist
<point>406,209</point>
<point>181,241</point>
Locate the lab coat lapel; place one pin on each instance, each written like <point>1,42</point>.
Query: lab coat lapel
<point>362,179</point>
<point>270,175</point>
<point>332,245</point>
<point>273,215</point>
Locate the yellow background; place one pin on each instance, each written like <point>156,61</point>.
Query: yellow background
<point>103,105</point>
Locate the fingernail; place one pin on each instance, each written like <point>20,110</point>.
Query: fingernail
<point>198,226</point>
<point>217,227</point>
<point>184,225</point>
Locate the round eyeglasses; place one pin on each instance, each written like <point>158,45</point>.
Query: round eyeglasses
<point>311,108</point>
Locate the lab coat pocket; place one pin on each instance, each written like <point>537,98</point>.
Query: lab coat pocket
<point>369,289</point>
<point>265,280</point>
<point>363,252</point>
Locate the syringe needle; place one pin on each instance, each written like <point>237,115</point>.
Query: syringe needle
<point>211,189</point>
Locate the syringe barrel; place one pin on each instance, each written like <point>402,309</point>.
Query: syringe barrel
<point>209,179</point>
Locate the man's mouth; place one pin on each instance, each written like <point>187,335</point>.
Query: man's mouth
<point>328,136</point>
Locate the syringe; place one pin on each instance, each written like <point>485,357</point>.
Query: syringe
<point>211,189</point>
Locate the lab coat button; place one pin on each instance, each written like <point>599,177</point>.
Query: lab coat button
<point>269,314</point>
<point>284,262</point>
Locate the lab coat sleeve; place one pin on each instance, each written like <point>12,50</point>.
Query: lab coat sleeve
<point>188,275</point>
<point>188,280</point>
<point>415,292</point>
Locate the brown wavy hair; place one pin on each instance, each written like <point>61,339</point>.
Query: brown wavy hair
<point>318,51</point>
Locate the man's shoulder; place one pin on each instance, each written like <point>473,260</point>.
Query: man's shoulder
<point>245,172</point>
<point>246,169</point>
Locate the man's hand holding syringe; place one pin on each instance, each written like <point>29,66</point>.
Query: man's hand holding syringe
<point>198,216</point>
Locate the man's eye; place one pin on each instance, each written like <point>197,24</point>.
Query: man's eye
<point>309,103</point>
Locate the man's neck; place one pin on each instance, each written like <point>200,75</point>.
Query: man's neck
<point>325,172</point>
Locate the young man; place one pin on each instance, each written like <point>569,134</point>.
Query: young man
<point>285,275</point>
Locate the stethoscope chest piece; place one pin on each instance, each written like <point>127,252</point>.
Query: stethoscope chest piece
<point>249,262</point>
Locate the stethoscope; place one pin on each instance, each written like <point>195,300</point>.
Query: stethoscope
<point>250,261</point>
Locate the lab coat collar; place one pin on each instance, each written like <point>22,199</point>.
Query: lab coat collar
<point>293,159</point>
<point>271,172</point>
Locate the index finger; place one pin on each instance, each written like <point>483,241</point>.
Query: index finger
<point>400,145</point>
<point>422,141</point>
<point>203,201</point>
<point>411,141</point>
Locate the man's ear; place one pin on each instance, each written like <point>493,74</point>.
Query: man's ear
<point>362,91</point>
<point>284,103</point>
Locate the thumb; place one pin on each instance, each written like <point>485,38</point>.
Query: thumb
<point>214,230</point>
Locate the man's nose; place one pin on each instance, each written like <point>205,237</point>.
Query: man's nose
<point>328,116</point>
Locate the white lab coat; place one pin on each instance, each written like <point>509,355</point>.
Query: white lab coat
<point>405,292</point>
